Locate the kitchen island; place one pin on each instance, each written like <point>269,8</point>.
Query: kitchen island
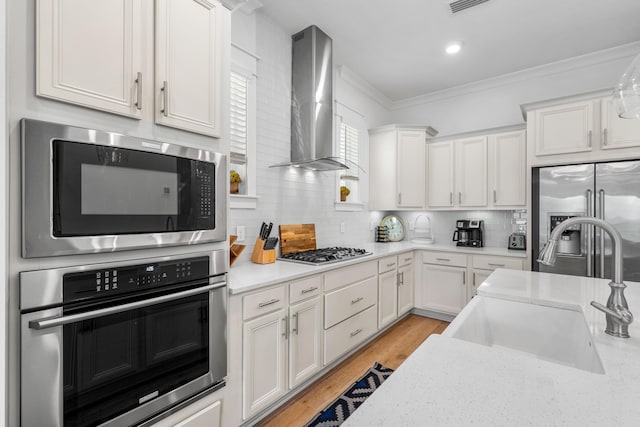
<point>452,382</point>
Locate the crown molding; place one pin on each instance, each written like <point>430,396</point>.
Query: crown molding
<point>590,59</point>
<point>363,86</point>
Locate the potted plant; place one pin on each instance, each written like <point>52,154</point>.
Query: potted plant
<point>344,192</point>
<point>235,180</point>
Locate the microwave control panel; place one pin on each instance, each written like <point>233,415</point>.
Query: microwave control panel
<point>109,282</point>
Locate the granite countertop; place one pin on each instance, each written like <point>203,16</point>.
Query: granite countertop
<point>451,382</point>
<point>247,276</point>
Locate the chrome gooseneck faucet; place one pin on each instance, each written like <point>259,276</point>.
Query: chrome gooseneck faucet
<point>617,311</point>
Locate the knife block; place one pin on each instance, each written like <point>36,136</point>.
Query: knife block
<point>261,256</point>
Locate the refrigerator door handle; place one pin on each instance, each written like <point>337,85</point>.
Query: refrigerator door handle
<point>589,233</point>
<point>601,192</point>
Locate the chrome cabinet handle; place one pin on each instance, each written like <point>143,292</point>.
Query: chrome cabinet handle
<point>138,82</point>
<point>270,302</point>
<point>285,328</point>
<point>459,197</point>
<point>451,197</point>
<point>59,321</point>
<point>311,289</point>
<point>357,300</point>
<point>605,136</point>
<point>356,332</point>
<point>443,259</point>
<point>589,233</point>
<point>495,197</point>
<point>475,282</point>
<point>408,259</point>
<point>295,328</point>
<point>589,138</point>
<point>391,265</point>
<point>601,192</point>
<point>464,278</point>
<point>496,265</point>
<point>399,198</point>
<point>164,89</point>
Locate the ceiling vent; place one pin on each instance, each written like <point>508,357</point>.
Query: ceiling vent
<point>460,5</point>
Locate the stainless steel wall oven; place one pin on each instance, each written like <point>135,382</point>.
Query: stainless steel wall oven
<point>119,343</point>
<point>90,191</point>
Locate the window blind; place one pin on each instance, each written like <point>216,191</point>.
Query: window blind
<point>239,131</point>
<point>349,148</point>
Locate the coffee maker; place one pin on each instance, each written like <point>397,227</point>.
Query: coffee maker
<point>469,232</point>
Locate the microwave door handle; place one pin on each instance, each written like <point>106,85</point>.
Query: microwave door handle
<point>52,322</point>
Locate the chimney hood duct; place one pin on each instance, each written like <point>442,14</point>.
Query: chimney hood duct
<point>312,102</point>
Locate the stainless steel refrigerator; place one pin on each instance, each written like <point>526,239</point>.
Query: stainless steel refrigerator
<point>610,191</point>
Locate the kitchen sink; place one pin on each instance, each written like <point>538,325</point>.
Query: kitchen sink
<point>553,334</point>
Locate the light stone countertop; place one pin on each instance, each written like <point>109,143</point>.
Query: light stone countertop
<point>247,276</point>
<point>451,382</point>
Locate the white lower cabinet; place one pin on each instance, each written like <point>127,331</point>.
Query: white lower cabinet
<point>281,348</point>
<point>405,288</point>
<point>387,291</point>
<point>444,288</point>
<point>305,342</point>
<point>346,335</point>
<point>264,361</point>
<point>483,266</point>
<point>205,412</point>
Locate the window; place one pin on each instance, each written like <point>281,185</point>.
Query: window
<point>242,129</point>
<point>238,129</point>
<point>350,137</point>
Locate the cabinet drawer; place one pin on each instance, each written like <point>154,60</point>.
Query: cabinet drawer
<point>444,258</point>
<point>263,302</point>
<point>343,276</point>
<point>344,303</point>
<point>305,288</point>
<point>387,264</point>
<point>348,334</point>
<point>492,262</point>
<point>405,259</point>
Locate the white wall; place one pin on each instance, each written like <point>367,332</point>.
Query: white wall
<point>496,102</point>
<point>291,195</point>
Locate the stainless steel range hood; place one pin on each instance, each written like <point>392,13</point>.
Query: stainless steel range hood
<point>312,102</point>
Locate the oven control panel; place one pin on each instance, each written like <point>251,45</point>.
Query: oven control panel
<point>133,278</point>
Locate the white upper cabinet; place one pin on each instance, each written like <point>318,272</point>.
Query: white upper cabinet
<point>92,54</point>
<point>188,64</point>
<point>565,128</point>
<point>617,132</point>
<point>583,128</point>
<point>440,175</point>
<point>397,168</point>
<point>101,55</point>
<point>411,162</point>
<point>507,170</point>
<point>471,172</point>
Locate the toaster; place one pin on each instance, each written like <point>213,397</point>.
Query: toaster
<point>518,242</point>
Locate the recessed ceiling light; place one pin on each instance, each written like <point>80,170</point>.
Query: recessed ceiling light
<point>453,48</point>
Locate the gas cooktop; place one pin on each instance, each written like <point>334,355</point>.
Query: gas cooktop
<point>325,255</point>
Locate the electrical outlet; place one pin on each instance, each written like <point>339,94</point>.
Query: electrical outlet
<point>410,225</point>
<point>342,228</point>
<point>240,233</point>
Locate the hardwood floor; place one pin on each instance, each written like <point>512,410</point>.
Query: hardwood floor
<point>390,349</point>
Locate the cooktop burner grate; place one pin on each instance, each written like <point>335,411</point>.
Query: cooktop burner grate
<point>325,255</point>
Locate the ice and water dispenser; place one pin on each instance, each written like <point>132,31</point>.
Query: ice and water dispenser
<point>569,243</point>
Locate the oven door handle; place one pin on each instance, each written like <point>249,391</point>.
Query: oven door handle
<point>51,322</point>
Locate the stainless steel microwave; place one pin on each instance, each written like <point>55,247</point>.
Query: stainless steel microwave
<point>87,191</point>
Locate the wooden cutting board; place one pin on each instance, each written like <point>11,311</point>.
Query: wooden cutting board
<point>297,238</point>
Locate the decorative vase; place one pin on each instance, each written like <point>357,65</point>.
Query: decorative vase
<point>343,197</point>
<point>234,187</point>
